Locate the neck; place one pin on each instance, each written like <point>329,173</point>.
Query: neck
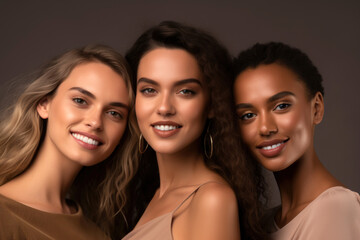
<point>184,168</point>
<point>294,181</point>
<point>301,183</point>
<point>46,182</point>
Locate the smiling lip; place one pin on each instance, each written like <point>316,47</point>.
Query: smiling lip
<point>87,140</point>
<point>272,148</point>
<point>166,128</point>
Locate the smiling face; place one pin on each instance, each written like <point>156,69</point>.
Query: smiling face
<point>87,115</point>
<point>276,117</point>
<point>171,101</point>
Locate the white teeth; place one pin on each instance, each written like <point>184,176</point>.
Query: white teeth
<point>165,127</point>
<point>85,139</point>
<point>272,146</point>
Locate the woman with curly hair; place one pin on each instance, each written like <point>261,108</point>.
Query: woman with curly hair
<point>63,144</point>
<point>192,181</point>
<point>279,100</point>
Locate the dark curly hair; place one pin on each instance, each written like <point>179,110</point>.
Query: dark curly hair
<point>280,53</point>
<point>215,62</point>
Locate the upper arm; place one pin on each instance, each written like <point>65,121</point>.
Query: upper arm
<point>213,214</point>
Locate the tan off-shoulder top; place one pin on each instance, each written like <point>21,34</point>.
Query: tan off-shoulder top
<point>333,215</point>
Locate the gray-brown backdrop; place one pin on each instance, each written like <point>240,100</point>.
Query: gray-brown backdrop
<point>32,32</point>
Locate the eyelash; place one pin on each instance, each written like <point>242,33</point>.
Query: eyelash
<point>116,115</point>
<point>151,91</point>
<point>79,101</point>
<point>187,92</point>
<point>279,107</point>
<point>284,105</point>
<point>245,117</point>
<point>148,91</point>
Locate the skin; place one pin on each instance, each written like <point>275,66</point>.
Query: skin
<point>274,107</point>
<point>92,101</point>
<point>171,91</point>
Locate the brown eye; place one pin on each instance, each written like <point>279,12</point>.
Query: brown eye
<point>282,106</point>
<point>115,114</point>
<point>186,92</point>
<point>247,116</point>
<point>148,91</point>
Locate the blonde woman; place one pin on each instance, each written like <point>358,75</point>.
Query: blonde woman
<point>64,140</point>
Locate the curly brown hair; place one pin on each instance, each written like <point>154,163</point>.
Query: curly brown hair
<point>227,160</point>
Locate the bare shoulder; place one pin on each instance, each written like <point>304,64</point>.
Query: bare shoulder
<point>215,195</point>
<point>213,213</point>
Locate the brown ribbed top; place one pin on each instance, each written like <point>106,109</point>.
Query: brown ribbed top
<point>18,221</point>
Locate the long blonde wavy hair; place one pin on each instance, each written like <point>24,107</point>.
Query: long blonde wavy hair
<point>99,189</point>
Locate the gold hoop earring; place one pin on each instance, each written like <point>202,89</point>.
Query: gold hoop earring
<point>141,145</point>
<point>208,135</point>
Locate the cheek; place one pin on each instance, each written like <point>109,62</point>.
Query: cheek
<point>303,131</point>
<point>296,126</point>
<point>116,132</point>
<point>293,123</point>
<point>142,110</point>
<point>63,113</point>
<point>194,112</point>
<point>248,133</point>
<point>288,122</point>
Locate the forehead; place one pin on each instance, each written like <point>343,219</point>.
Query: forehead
<point>97,78</point>
<point>168,64</point>
<point>266,81</point>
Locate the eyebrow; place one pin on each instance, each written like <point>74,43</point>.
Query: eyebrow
<point>83,91</point>
<point>89,94</point>
<point>270,100</point>
<point>181,82</point>
<point>243,105</point>
<point>280,95</point>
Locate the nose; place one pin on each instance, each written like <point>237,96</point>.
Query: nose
<point>166,106</point>
<point>94,119</point>
<point>267,125</point>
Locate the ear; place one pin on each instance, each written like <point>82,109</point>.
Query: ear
<point>318,108</point>
<point>43,108</point>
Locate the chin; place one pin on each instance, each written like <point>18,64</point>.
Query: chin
<point>168,150</point>
<point>86,161</point>
<point>165,151</point>
<point>274,164</point>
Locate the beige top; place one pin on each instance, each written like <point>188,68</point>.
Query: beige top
<point>18,221</point>
<point>334,214</point>
<point>158,228</point>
